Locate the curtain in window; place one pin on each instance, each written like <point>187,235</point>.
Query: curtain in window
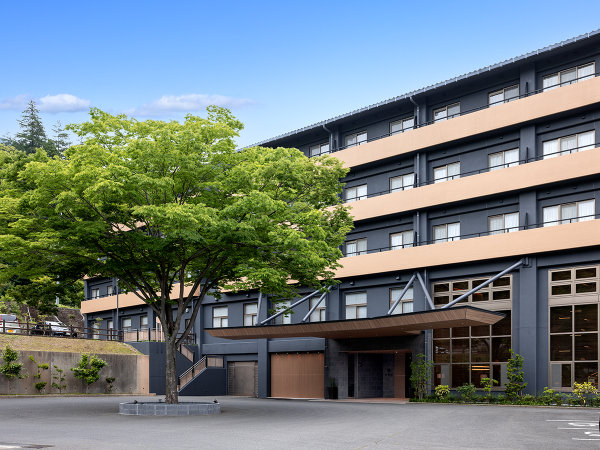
<point>496,161</point>
<point>453,171</point>
<point>550,216</point>
<point>408,181</point>
<point>496,224</point>
<point>585,72</point>
<point>350,248</point>
<point>440,174</point>
<point>586,210</point>
<point>454,231</point>
<point>568,212</point>
<point>511,92</point>
<point>511,157</point>
<point>361,246</point>
<point>439,233</point>
<point>454,110</point>
<point>568,76</point>
<point>567,144</point>
<point>550,149</point>
<point>356,298</point>
<point>550,82</point>
<point>407,238</point>
<point>361,192</point>
<point>396,241</point>
<point>407,307</point>
<point>511,222</point>
<point>585,141</point>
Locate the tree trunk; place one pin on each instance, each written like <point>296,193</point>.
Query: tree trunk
<point>171,394</point>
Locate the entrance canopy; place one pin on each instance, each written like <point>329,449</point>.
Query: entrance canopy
<point>396,325</point>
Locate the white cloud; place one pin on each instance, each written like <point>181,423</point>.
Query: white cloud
<point>187,103</point>
<point>62,103</point>
<point>17,102</point>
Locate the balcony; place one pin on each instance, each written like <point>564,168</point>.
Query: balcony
<point>525,109</point>
<point>522,243</point>
<point>510,179</point>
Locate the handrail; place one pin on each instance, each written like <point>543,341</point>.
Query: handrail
<point>196,369</point>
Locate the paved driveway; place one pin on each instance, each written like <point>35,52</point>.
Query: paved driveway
<point>92,422</point>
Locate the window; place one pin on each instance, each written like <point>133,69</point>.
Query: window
<point>109,325</point>
<point>401,240</point>
<point>402,182</point>
<point>569,212</point>
<point>503,223</point>
<point>500,160</point>
<point>96,330</point>
<point>220,314</point>
<point>109,290</point>
<point>447,172</point>
<point>447,112</point>
<point>499,291</point>
<point>568,76</point>
<point>402,125</point>
<point>406,304</point>
<point>250,314</point>
<point>569,144</point>
<point>144,322</point>
<point>318,314</point>
<point>95,293</point>
<point>316,150</point>
<point>356,247</point>
<point>356,193</point>
<point>126,323</point>
<point>356,139</point>
<point>287,316</point>
<point>356,305</point>
<point>446,232</point>
<point>110,330</point>
<point>504,95</point>
<point>574,282</point>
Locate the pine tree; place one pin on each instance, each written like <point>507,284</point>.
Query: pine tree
<point>32,135</point>
<point>61,138</point>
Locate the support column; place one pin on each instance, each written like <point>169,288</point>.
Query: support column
<point>525,323</point>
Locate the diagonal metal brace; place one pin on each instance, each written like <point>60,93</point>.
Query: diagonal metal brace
<point>427,296</point>
<point>408,285</point>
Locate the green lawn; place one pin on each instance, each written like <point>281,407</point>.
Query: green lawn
<point>56,344</point>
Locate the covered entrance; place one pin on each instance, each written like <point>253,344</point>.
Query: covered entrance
<point>379,374</point>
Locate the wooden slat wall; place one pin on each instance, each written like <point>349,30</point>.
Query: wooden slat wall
<point>297,375</point>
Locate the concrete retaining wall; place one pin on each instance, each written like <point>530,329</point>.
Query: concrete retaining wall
<point>130,372</point>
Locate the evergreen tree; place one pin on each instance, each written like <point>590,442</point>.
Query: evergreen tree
<point>61,138</point>
<point>32,135</point>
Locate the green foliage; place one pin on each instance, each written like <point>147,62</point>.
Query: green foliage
<point>442,391</point>
<point>548,396</point>
<point>528,399</point>
<point>59,379</point>
<point>11,369</point>
<point>516,377</point>
<point>467,392</point>
<point>420,374</point>
<point>595,401</point>
<point>109,384</point>
<point>88,368</point>
<point>486,385</point>
<point>583,390</point>
<point>39,385</point>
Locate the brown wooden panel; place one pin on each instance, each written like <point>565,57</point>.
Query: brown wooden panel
<point>241,378</point>
<point>297,375</point>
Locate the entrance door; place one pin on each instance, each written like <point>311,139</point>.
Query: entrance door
<point>297,375</point>
<point>242,378</point>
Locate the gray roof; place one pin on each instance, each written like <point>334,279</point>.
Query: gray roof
<point>434,86</point>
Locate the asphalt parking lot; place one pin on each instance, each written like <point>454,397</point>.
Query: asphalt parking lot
<point>93,422</point>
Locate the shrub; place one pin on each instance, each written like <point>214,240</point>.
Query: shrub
<point>487,384</point>
<point>467,392</point>
<point>420,374</point>
<point>88,368</point>
<point>516,377</point>
<point>59,379</point>
<point>583,390</point>
<point>595,401</point>
<point>11,369</point>
<point>109,384</point>
<point>442,391</point>
<point>528,399</point>
<point>548,396</point>
<point>40,385</point>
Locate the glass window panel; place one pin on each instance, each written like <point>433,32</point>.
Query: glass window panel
<point>567,144</point>
<point>407,307</point>
<point>566,375</point>
<point>350,140</point>
<point>585,288</point>
<point>480,349</point>
<point>441,299</point>
<point>588,272</point>
<point>550,82</point>
<point>482,330</point>
<point>501,295</point>
<point>441,351</point>
<point>440,174</point>
<point>511,92</point>
<point>216,323</point>
<point>356,298</point>
<point>361,137</point>
<point>496,98</point>
<point>441,374</point>
<point>568,76</point>
<point>439,233</point>
<point>561,275</point>
<point>460,350</point>
<point>586,210</point>
<point>480,296</point>
<point>501,349</point>
<point>361,246</point>
<point>454,231</point>
<point>361,312</point>
<point>351,248</point>
<point>454,170</point>
<point>496,161</point>
<point>562,289</point>
<point>441,333</point>
<point>502,281</point>
<point>314,150</point>
<point>550,149</point>
<point>550,216</point>
<point>396,240</point>
<point>586,372</point>
<point>585,141</point>
<point>409,123</point>
<point>325,148</point>
<point>503,326</point>
<point>496,224</point>
<point>479,371</point>
<point>476,283</point>
<point>441,287</point>
<point>350,312</point>
<point>407,238</point>
<point>251,308</point>
<point>408,181</point>
<point>560,347</point>
<point>396,127</point>
<point>496,373</point>
<point>511,157</point>
<point>586,318</point>
<point>586,347</point>
<point>361,191</point>
<point>248,321</point>
<point>561,319</point>
<point>396,184</point>
<point>460,332</point>
<point>460,374</point>
<point>464,300</point>
<point>568,212</point>
<point>511,222</point>
<point>460,286</point>
<point>439,114</point>
<point>584,72</point>
<point>453,109</point>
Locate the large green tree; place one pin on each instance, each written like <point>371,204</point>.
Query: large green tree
<point>165,205</point>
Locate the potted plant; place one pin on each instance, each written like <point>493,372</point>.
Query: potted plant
<point>332,390</point>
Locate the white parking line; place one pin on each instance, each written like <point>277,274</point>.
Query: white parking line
<point>579,425</point>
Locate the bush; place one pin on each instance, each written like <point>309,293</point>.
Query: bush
<point>40,385</point>
<point>420,375</point>
<point>88,368</point>
<point>487,384</point>
<point>442,391</point>
<point>548,396</point>
<point>528,399</point>
<point>583,390</point>
<point>515,385</point>
<point>467,392</point>
<point>109,384</point>
<point>11,369</point>
<point>595,401</point>
<point>59,379</point>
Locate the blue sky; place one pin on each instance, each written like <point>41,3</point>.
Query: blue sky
<point>279,66</point>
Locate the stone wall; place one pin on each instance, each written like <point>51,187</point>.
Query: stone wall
<point>130,372</point>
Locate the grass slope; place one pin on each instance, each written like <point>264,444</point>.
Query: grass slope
<point>57,344</point>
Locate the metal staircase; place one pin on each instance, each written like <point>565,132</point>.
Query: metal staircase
<point>197,369</point>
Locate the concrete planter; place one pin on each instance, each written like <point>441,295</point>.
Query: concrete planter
<point>164,409</point>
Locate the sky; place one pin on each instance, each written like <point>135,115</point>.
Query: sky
<point>278,66</point>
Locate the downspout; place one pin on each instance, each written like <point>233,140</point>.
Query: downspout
<point>331,143</point>
<point>418,110</point>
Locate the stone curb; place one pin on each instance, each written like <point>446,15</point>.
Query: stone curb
<point>165,409</point>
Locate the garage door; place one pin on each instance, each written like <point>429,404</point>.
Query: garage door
<point>242,378</point>
<point>297,375</point>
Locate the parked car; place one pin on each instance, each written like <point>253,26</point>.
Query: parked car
<point>9,323</point>
<point>52,328</point>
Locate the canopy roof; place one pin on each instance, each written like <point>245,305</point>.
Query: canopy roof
<point>396,325</point>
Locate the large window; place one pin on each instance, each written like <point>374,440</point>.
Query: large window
<point>503,95</point>
<point>126,323</point>
<point>401,240</point>
<point>109,290</point>
<point>318,315</point>
<point>569,144</point>
<point>503,223</point>
<point>320,149</point>
<point>406,304</point>
<point>144,322</point>
<point>220,316</point>
<point>250,314</point>
<point>402,125</point>
<point>356,305</point>
<point>356,139</point>
<point>356,193</point>
<point>402,182</point>
<point>356,247</point>
<point>447,112</point>
<point>500,160</point>
<point>446,232</point>
<point>95,293</point>
<point>499,292</point>
<point>569,212</point>
<point>446,172</point>
<point>568,76</point>
<point>286,317</point>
